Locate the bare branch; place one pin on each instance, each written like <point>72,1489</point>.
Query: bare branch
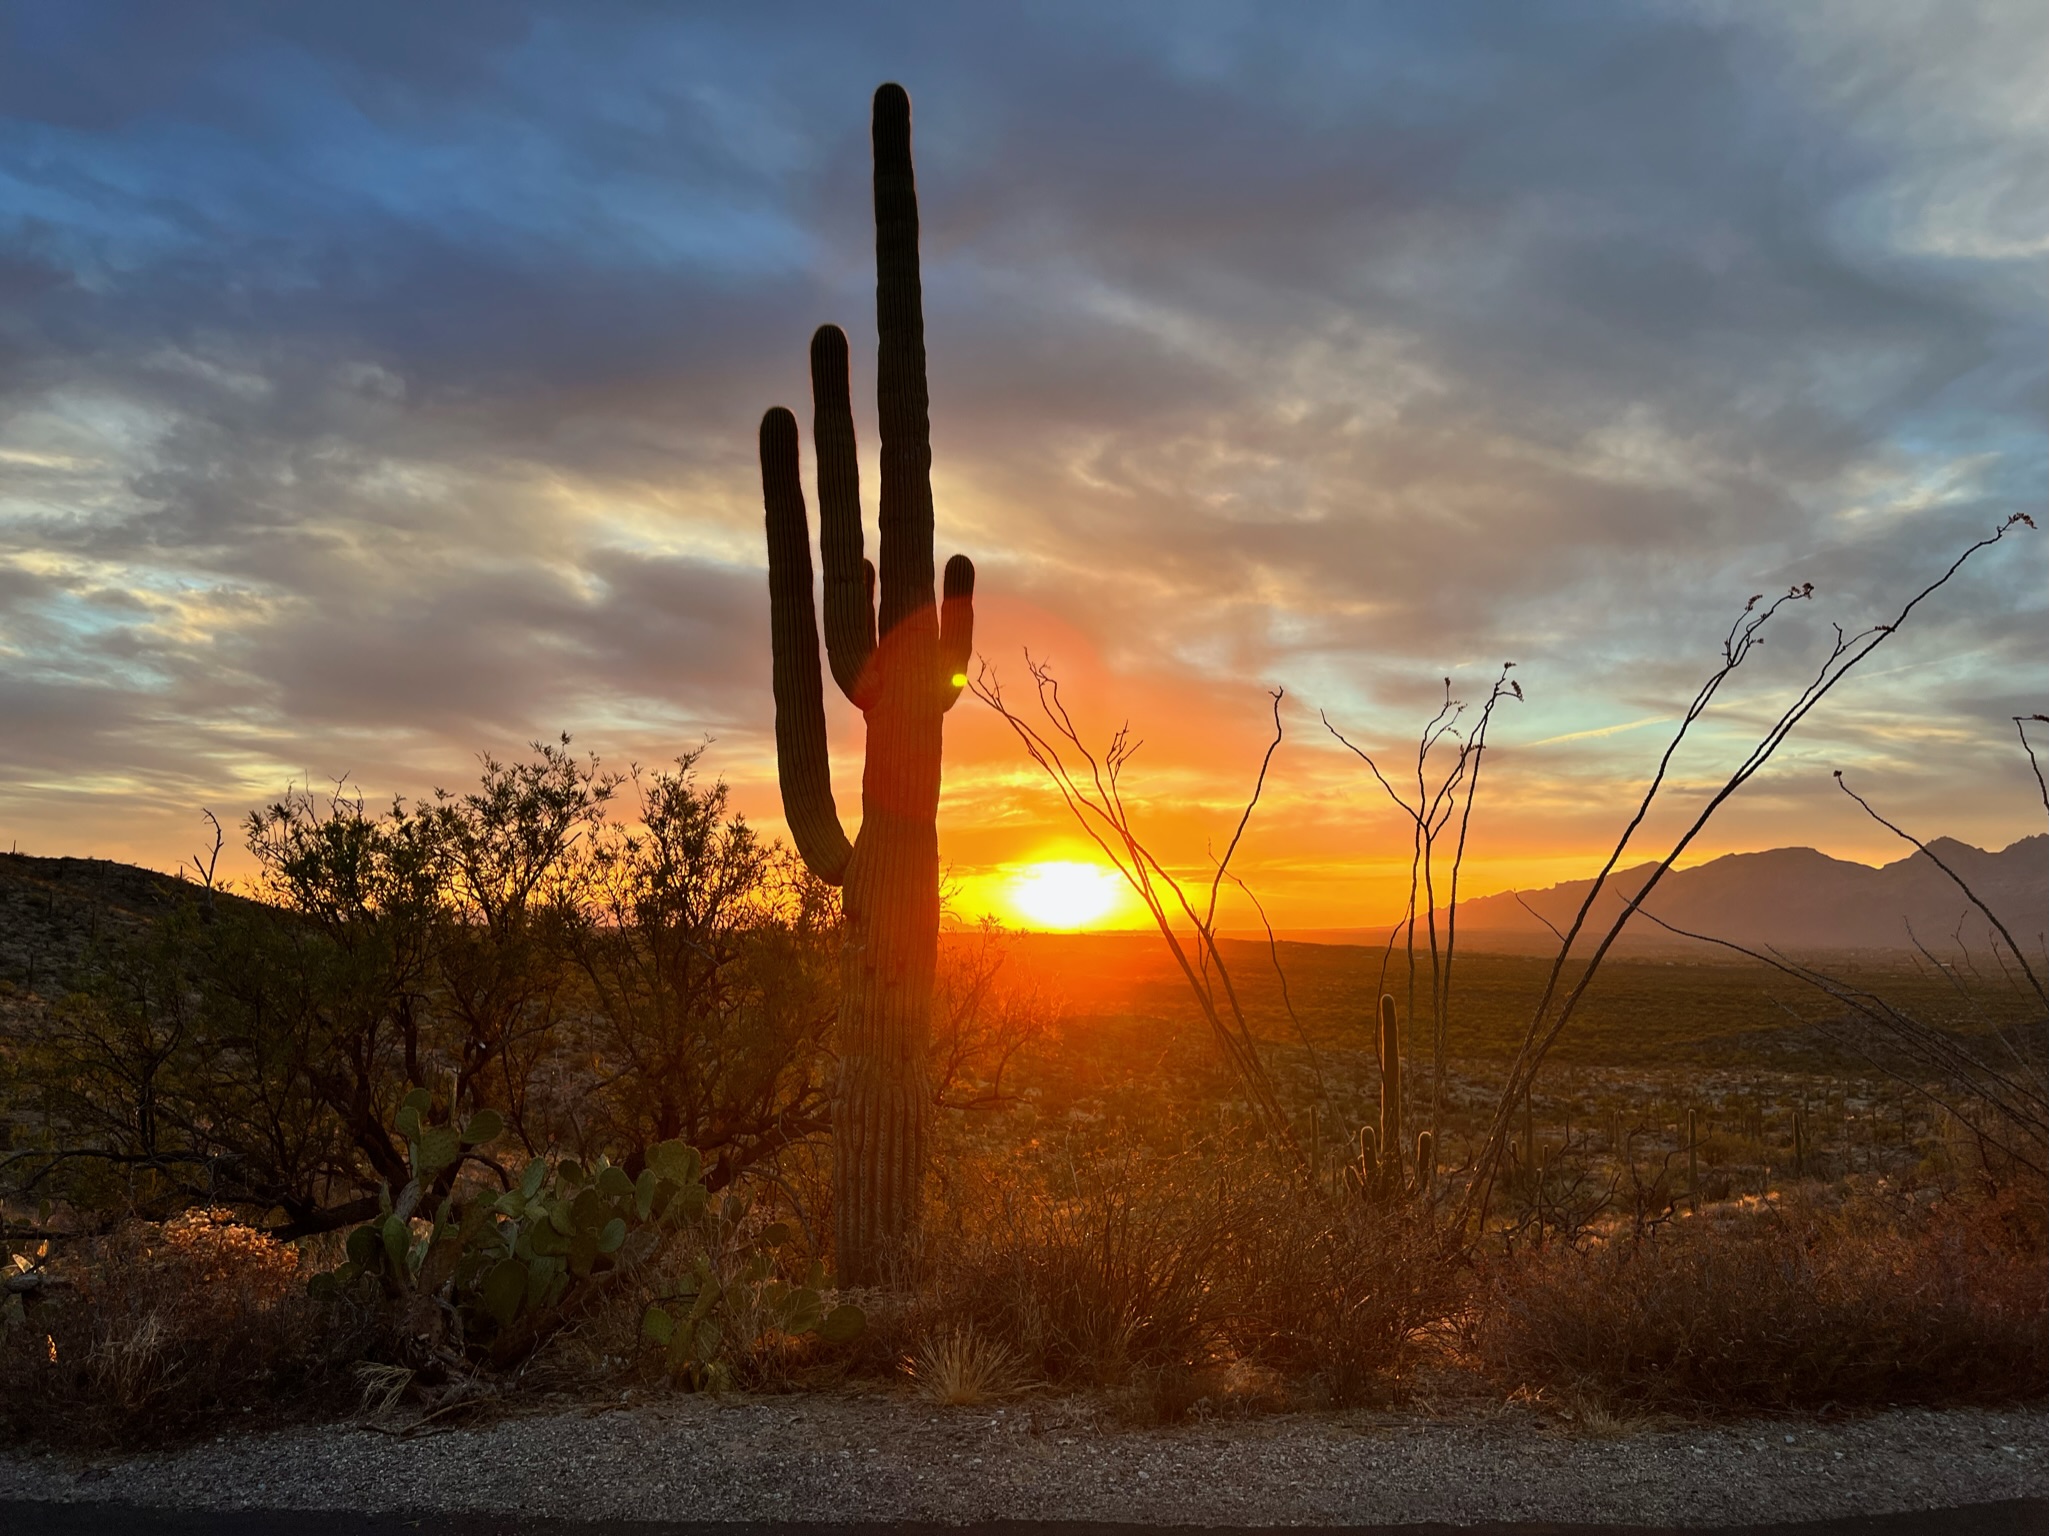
<point>1744,636</point>
<point>2020,725</point>
<point>1540,917</point>
<point>1093,794</point>
<point>1955,879</point>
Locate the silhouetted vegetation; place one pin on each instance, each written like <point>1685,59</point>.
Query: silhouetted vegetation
<point>470,1036</point>
<point>1826,1302</point>
<point>508,949</point>
<point>1107,1214</point>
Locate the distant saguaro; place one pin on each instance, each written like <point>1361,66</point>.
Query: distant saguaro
<point>903,669</point>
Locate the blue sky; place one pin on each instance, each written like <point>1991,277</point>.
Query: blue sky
<point>378,386</point>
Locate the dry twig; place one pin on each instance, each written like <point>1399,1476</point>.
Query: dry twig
<point>1091,785</point>
<point>1551,1015</point>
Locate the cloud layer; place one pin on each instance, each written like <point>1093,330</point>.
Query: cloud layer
<point>379,387</point>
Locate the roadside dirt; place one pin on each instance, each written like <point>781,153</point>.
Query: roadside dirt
<point>859,1457</point>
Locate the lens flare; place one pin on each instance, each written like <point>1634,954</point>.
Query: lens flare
<point>1065,895</point>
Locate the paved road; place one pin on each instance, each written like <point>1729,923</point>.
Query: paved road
<point>2018,1517</point>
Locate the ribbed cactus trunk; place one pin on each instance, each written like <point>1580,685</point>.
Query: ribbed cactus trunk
<point>1391,1090</point>
<point>903,668</point>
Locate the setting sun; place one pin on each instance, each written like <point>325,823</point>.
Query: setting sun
<point>1065,894</point>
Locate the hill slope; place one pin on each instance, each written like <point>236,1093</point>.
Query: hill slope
<point>52,911</point>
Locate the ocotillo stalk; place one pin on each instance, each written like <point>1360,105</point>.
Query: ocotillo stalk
<point>903,668</point>
<point>1390,1096</point>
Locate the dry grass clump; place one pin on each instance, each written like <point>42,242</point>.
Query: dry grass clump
<point>1118,1270</point>
<point>208,1247</point>
<point>1338,1294</point>
<point>1203,1282</point>
<point>1794,1309</point>
<point>960,1368</point>
<point>168,1328</point>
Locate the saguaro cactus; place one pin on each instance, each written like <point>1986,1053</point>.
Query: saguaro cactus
<point>1379,1171</point>
<point>903,668</point>
<point>1390,1088</point>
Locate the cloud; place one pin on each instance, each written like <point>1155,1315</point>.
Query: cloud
<point>373,393</point>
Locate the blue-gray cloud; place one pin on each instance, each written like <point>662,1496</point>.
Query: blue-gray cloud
<point>379,382</point>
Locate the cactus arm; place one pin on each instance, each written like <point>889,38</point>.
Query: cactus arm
<point>956,627</point>
<point>849,579</point>
<point>801,760</point>
<point>902,403</point>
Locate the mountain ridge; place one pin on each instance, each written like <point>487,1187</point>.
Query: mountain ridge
<point>1792,899</point>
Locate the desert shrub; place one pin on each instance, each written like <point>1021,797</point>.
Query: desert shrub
<point>601,983</point>
<point>1798,1309</point>
<point>1336,1293</point>
<point>1188,1282</point>
<point>960,1368</point>
<point>164,1330</point>
<point>709,981</point>
<point>1118,1271</point>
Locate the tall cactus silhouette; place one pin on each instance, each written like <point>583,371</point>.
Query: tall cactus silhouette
<point>1379,1171</point>
<point>903,668</point>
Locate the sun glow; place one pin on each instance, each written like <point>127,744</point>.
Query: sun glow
<point>1064,894</point>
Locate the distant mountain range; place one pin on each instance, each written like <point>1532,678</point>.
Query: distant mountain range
<point>1792,899</point>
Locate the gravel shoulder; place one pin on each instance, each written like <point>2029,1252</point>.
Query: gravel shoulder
<point>861,1457</point>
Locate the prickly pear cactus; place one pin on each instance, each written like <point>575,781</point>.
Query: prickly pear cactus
<point>738,1299</point>
<point>505,1261</point>
<point>510,1264</point>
